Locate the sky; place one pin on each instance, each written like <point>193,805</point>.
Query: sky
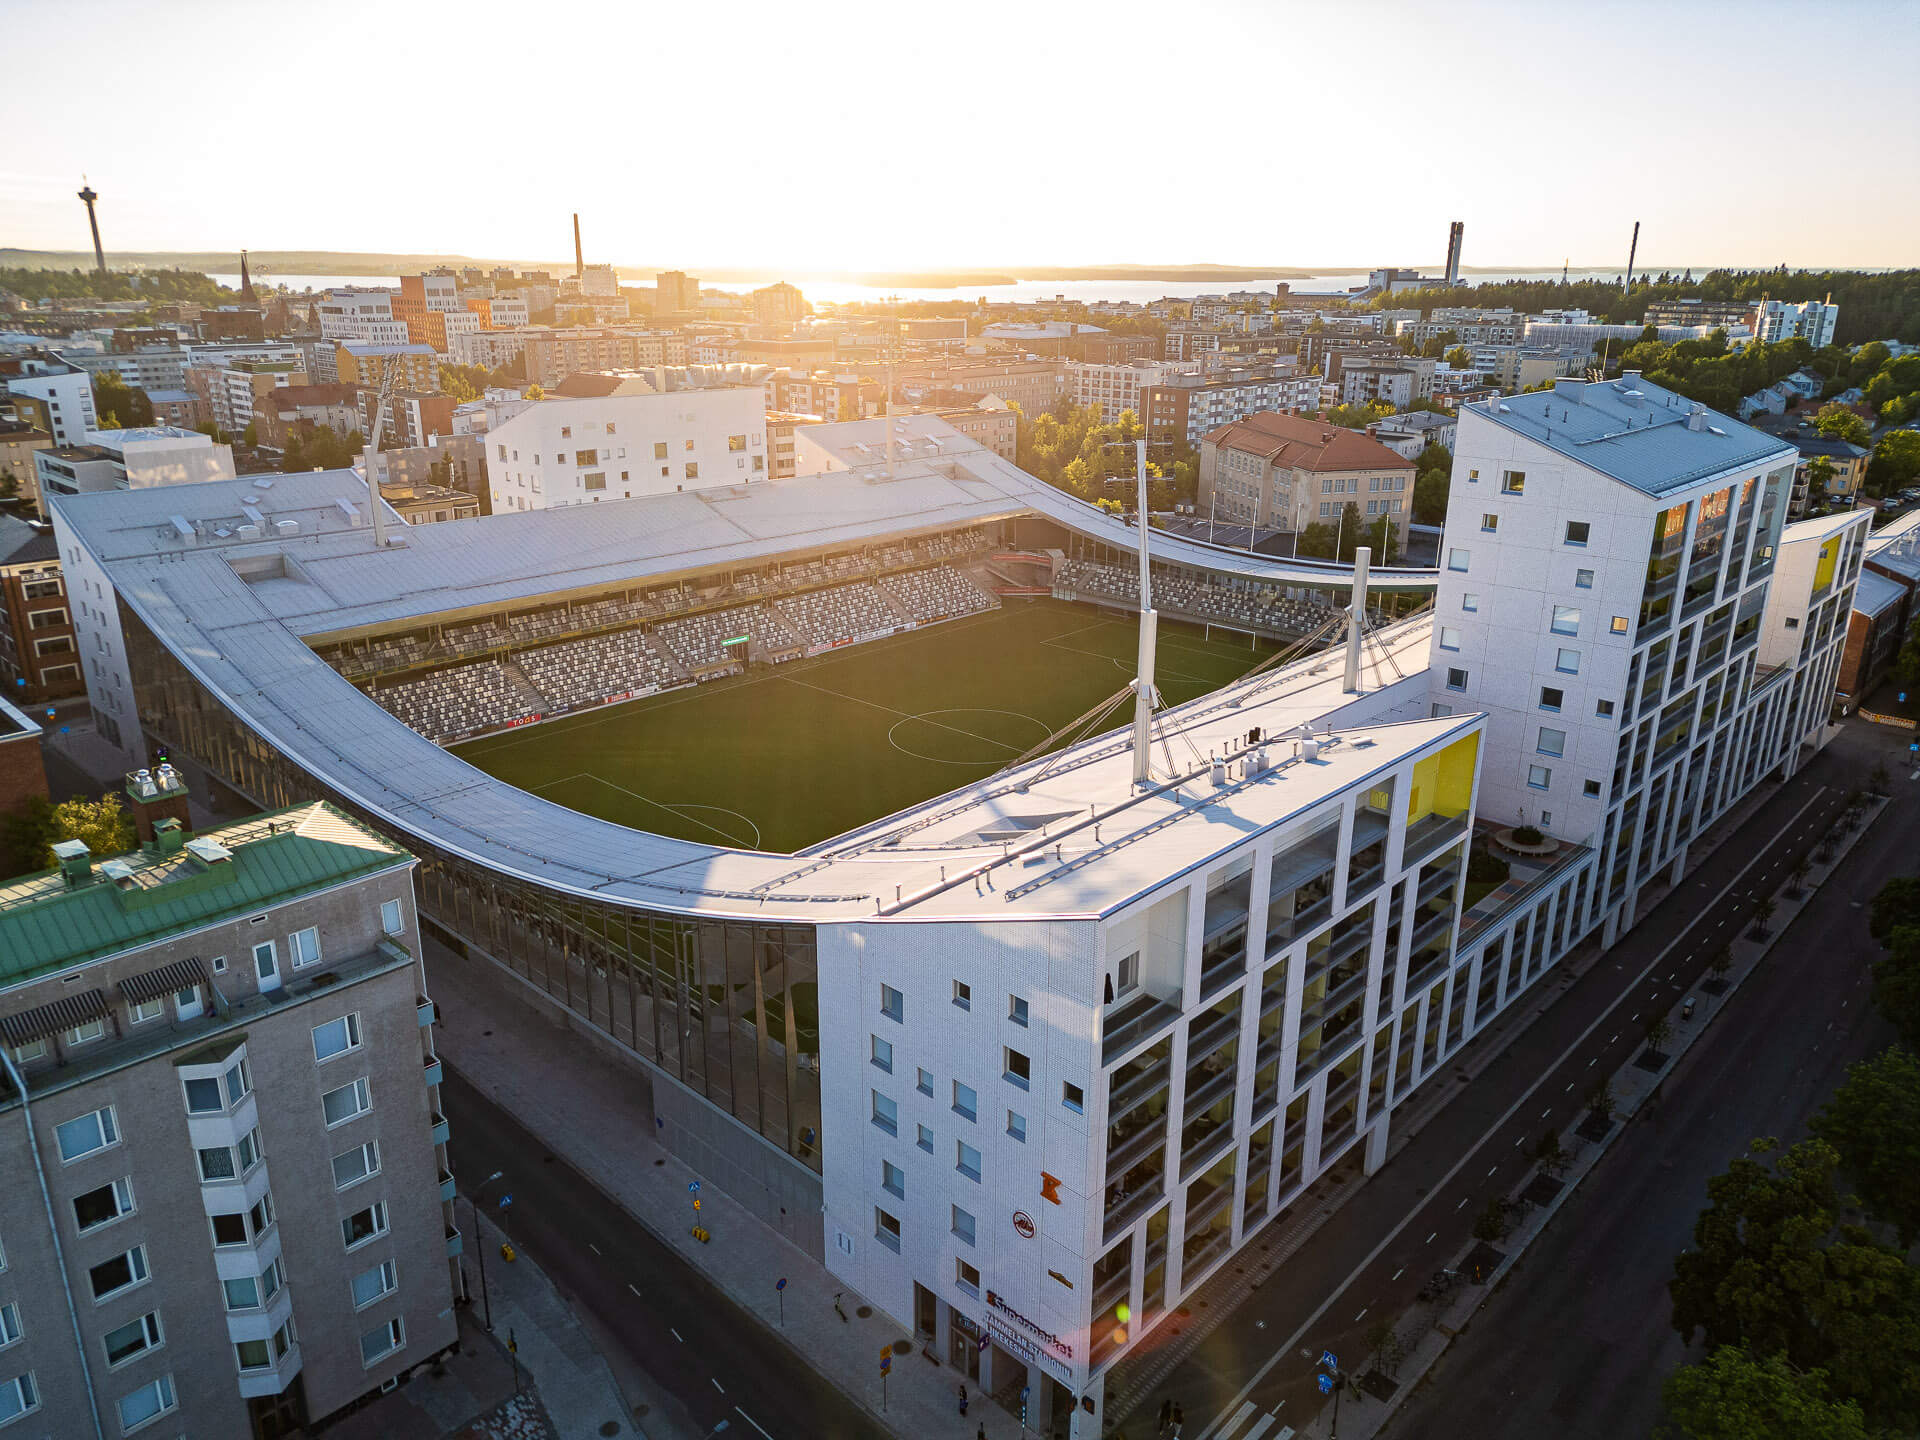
<point>853,136</point>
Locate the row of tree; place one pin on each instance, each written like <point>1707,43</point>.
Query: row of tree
<point>1799,1276</point>
<point>1073,448</point>
<point>161,287</point>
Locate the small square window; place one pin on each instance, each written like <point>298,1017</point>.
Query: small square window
<point>1513,482</point>
<point>1457,559</point>
<point>924,1138</point>
<point>1473,477</point>
<point>886,1229</point>
<point>1583,579</point>
<point>1490,522</point>
<point>924,1081</point>
<point>390,918</point>
<point>893,1179</point>
<point>1567,662</point>
<point>1017,1010</point>
<point>886,1114</point>
<point>1603,708</point>
<point>882,1053</point>
<point>1456,679</point>
<point>1618,625</point>
<point>1449,638</point>
<point>966,1160</point>
<point>966,1104</point>
<point>1592,789</point>
<point>964,1226</point>
<point>1566,620</point>
<point>1539,777</point>
<point>1073,1097</point>
<point>1577,532</point>
<point>1793,623</point>
<point>963,994</point>
<point>1470,603</point>
<point>1019,1069</point>
<point>1551,699</point>
<point>1017,1126</point>
<point>1552,742</point>
<point>966,1277</point>
<point>893,1005</point>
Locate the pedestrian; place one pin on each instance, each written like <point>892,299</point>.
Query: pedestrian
<point>981,1433</point>
<point>1166,1417</point>
<point>1179,1421</point>
<point>963,1399</point>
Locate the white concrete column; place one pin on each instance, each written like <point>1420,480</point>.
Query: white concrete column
<point>1376,1155</point>
<point>1085,1425</point>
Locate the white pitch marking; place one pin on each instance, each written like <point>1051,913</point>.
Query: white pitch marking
<point>677,1335</point>
<point>718,1386</point>
<point>751,1421</point>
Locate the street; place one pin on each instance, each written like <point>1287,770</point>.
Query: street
<point>1578,1336</point>
<point>1368,1261</point>
<point>721,1366</point>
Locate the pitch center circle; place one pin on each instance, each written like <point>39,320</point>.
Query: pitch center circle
<point>968,734</point>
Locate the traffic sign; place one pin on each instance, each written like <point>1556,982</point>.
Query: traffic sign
<point>505,1201</point>
<point>1329,1359</point>
<point>886,1362</point>
<point>696,1203</point>
<point>983,1340</point>
<point>693,1186</point>
<point>781,1283</point>
<point>1326,1383</point>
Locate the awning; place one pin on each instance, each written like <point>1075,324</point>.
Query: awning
<point>66,1013</point>
<point>158,984</point>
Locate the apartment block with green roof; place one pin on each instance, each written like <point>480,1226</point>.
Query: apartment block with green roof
<point>229,1209</point>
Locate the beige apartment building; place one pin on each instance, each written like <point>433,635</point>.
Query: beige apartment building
<point>228,1209</point>
<point>1282,472</point>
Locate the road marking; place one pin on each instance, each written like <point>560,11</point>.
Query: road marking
<point>1430,1237</point>
<point>1361,1316</point>
<point>1570,1085</point>
<point>677,1335</point>
<point>636,1289</point>
<point>593,1247</point>
<point>1240,1415</point>
<point>751,1421</point>
<point>1546,1113</point>
<point>1267,1366</point>
<point>1398,1273</point>
<point>1261,1426</point>
<point>1463,1201</point>
<point>718,1386</point>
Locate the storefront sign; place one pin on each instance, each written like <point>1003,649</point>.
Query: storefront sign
<point>1051,1339</point>
<point>1023,1225</point>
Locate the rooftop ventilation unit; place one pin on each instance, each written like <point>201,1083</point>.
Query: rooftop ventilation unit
<point>286,527</point>
<point>182,527</point>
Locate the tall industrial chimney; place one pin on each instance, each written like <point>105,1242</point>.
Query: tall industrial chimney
<point>579,258</point>
<point>1632,250</point>
<point>1454,233</point>
<point>93,221</point>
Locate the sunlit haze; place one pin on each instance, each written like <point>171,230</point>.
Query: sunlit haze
<point>857,136</point>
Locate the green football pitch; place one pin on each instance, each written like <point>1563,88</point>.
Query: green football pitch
<point>785,757</point>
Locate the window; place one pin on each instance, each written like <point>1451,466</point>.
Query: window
<point>203,1097</point>
<point>9,1325</point>
<point>336,1037</point>
<point>122,1272</point>
<point>238,1081</point>
<point>1539,777</point>
<point>966,1277</point>
<point>1577,532</point>
<point>94,1029</point>
<point>1567,662</point>
<point>248,1150</point>
<point>963,995</point>
<point>1470,603</point>
<point>1591,789</point>
<point>882,1053</point>
<point>1618,625</point>
<point>304,946</point>
<point>886,1229</point>
<point>1513,482</point>
<point>352,1166</point>
<point>892,1004</point>
<point>1017,1010</point>
<point>923,1081</point>
<point>1019,1069</point>
<point>382,1341</point>
<point>966,1104</point>
<point>18,1397</point>
<point>136,1337</point>
<point>1457,559</point>
<point>1017,1126</point>
<point>1127,979</point>
<point>364,1225</point>
<point>693,469</point>
<point>85,1134</point>
<point>659,449</point>
<point>1583,579</point>
<point>102,1206</point>
<point>736,442</point>
<point>893,1179</point>
<point>886,1114</point>
<point>966,1160</point>
<point>1566,620</point>
<point>1456,679</point>
<point>242,1292</point>
<point>146,1010</point>
<point>1603,708</point>
<point>963,1225</point>
<point>261,1215</point>
<point>1473,477</point>
<point>230,1229</point>
<point>1793,623</point>
<point>217,1164</point>
<point>1073,1097</point>
<point>340,1106</point>
<point>596,481</point>
<point>256,1355</point>
<point>1489,522</point>
<point>924,1138</point>
<point>1552,699</point>
<point>1449,638</point>
<point>147,1403</point>
<point>369,1285</point>
<point>1552,742</point>
<point>390,918</point>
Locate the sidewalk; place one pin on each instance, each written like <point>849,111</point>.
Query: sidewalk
<point>536,1071</point>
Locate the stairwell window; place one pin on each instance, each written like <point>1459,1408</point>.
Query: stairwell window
<point>1567,662</point>
<point>1577,532</point>
<point>1513,482</point>
<point>1552,742</point>
<point>1566,620</point>
<point>886,1229</point>
<point>1449,638</point>
<point>1539,777</point>
<point>1019,1069</point>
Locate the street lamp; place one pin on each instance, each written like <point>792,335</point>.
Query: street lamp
<point>473,1206</point>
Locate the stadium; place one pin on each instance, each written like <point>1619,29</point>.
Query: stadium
<point>780,790</point>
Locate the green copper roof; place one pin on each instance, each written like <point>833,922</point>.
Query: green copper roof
<point>46,927</point>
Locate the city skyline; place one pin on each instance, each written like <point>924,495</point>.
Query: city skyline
<point>712,189</point>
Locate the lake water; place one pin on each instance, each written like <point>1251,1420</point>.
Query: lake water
<point>837,291</point>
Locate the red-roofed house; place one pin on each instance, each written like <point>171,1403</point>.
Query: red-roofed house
<point>1283,472</point>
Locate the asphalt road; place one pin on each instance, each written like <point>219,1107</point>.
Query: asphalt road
<point>1579,1339</point>
<point>718,1363</point>
<point>1372,1256</point>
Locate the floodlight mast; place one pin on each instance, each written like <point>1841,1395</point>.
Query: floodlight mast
<point>387,376</point>
<point>1149,626</point>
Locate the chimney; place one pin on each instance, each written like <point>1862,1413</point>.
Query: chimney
<point>155,795</point>
<point>1697,418</point>
<point>76,863</point>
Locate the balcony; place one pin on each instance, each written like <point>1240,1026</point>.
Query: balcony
<point>455,1243</point>
<point>1435,883</point>
<point>432,1070</point>
<point>1430,929</point>
<point>1135,1090</point>
<point>1132,1021</point>
<point>1345,986</point>
<point>440,1130</point>
<point>1131,1205</point>
<point>1432,831</point>
<point>1133,1146</point>
<point>423,1008</point>
<point>1210,1033</point>
<point>447,1187</point>
<point>1210,1138</point>
<point>1206,1087</point>
<point>1205,1200</point>
<point>1111,1291</point>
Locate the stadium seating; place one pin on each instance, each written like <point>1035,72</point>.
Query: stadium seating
<point>581,672</point>
<point>936,594</point>
<point>695,640</point>
<point>456,701</point>
<point>841,612</point>
<point>1281,610</point>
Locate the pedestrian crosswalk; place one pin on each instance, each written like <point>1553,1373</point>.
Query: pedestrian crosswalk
<point>1262,1423</point>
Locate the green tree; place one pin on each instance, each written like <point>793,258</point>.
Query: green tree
<point>117,405</point>
<point>1460,358</point>
<point>1896,904</point>
<point>1873,1122</point>
<point>25,835</point>
<point>104,824</point>
<point>250,437</point>
<point>1819,475</point>
<point>9,484</point>
<point>1839,422</point>
<point>536,391</point>
<point>463,382</point>
<point>1896,460</point>
<point>1493,1222</point>
<point>1730,1395</point>
<point>1896,983</point>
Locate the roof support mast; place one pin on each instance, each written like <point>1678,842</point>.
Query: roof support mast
<point>1143,688</point>
<point>1357,617</point>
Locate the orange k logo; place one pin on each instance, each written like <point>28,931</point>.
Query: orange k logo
<point>1050,1187</point>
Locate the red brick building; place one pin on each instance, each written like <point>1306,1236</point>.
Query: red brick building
<point>39,656</point>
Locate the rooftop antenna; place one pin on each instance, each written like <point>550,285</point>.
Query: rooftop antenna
<point>1632,250</point>
<point>1149,628</point>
